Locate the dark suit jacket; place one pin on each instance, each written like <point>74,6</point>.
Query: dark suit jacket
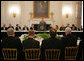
<point>70,40</point>
<point>51,43</point>
<point>80,29</point>
<point>31,28</point>
<point>24,28</point>
<point>30,43</point>
<point>17,28</point>
<point>13,42</point>
<point>73,28</point>
<point>62,28</point>
<point>80,51</point>
<point>11,27</point>
<point>2,28</point>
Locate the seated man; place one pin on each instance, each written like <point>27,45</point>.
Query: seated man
<point>51,43</point>
<point>17,27</point>
<point>4,27</point>
<point>69,39</point>
<point>80,28</point>
<point>73,27</point>
<point>10,26</point>
<point>25,28</point>
<point>62,28</point>
<point>68,25</point>
<point>32,27</point>
<point>30,42</point>
<point>50,27</point>
<point>12,42</point>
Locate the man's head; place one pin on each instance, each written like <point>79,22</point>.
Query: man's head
<point>62,25</point>
<point>67,31</point>
<point>52,33</point>
<point>25,26</point>
<point>3,25</point>
<point>10,32</point>
<point>17,25</point>
<point>68,25</point>
<point>73,25</point>
<point>10,25</point>
<point>56,26</point>
<point>32,25</point>
<point>31,34</point>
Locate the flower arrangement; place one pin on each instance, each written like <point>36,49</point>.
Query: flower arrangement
<point>39,37</point>
<point>46,36</point>
<point>42,35</point>
<point>58,36</point>
<point>23,37</point>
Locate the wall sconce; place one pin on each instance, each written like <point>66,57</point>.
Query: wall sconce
<point>14,11</point>
<point>14,15</point>
<point>67,15</point>
<point>52,15</point>
<point>67,11</point>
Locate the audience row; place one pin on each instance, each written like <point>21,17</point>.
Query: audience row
<point>62,28</point>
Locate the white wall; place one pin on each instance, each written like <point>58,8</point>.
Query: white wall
<point>26,7</point>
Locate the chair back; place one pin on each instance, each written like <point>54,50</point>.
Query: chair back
<point>71,53</point>
<point>32,54</point>
<point>9,54</point>
<point>52,54</point>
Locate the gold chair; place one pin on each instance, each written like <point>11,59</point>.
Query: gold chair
<point>9,54</point>
<point>32,54</point>
<point>52,54</point>
<point>71,53</point>
<point>82,55</point>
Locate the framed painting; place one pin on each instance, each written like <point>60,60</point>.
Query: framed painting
<point>41,9</point>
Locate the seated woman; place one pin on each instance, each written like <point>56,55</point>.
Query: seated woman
<point>57,28</point>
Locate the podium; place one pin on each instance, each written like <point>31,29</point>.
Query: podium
<point>36,26</point>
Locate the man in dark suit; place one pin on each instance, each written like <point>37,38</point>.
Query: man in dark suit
<point>12,42</point>
<point>25,28</point>
<point>51,43</point>
<point>80,51</point>
<point>10,26</point>
<point>69,39</point>
<point>30,42</point>
<point>4,27</point>
<point>32,27</point>
<point>73,27</point>
<point>17,27</point>
<point>80,29</point>
<point>62,28</point>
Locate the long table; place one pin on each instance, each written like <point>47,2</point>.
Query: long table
<point>19,33</point>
